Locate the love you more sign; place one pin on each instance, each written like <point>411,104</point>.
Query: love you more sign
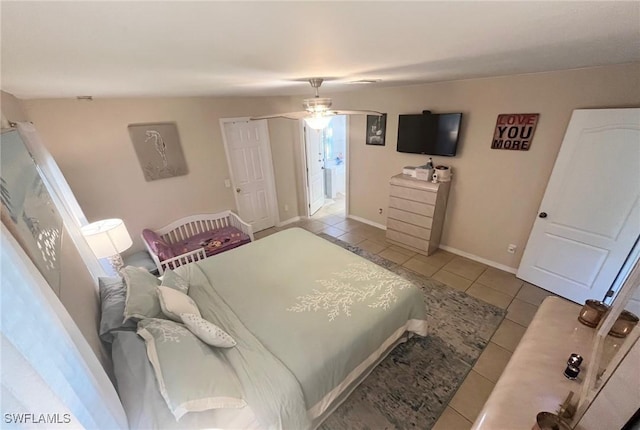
<point>514,131</point>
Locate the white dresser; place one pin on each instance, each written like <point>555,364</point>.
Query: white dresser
<point>416,213</point>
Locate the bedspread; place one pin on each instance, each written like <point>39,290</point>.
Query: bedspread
<point>304,312</point>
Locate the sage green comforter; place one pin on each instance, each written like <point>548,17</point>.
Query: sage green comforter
<point>305,314</point>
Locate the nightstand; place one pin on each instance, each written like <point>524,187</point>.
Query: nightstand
<point>143,260</point>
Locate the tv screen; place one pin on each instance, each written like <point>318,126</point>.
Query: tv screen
<point>445,141</point>
<point>411,137</point>
<point>430,134</point>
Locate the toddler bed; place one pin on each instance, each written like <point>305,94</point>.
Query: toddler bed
<point>195,238</point>
<point>311,320</point>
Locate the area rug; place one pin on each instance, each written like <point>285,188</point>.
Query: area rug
<point>412,386</point>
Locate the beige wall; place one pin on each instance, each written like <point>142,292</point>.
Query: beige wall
<point>495,193</point>
<point>90,141</point>
<point>12,108</point>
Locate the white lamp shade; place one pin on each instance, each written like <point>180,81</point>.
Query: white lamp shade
<point>318,122</point>
<point>107,237</point>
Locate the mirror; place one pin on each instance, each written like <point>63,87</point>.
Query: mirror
<point>28,210</point>
<point>608,350</point>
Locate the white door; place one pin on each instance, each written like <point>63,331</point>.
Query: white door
<point>314,149</point>
<point>250,165</point>
<point>589,218</point>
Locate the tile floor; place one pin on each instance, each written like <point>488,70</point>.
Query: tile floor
<point>502,289</point>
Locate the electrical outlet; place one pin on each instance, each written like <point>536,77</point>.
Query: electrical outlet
<point>511,249</point>
<point>380,211</point>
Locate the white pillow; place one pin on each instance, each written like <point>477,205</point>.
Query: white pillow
<point>173,303</point>
<point>175,281</point>
<point>207,332</point>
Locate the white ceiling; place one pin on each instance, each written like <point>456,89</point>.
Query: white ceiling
<point>113,49</point>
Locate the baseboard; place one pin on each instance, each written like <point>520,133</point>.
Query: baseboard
<point>288,221</point>
<point>366,221</point>
<point>479,259</point>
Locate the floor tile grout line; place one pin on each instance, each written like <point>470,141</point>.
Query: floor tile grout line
<point>501,347</point>
<point>495,289</point>
<point>457,412</point>
<point>463,381</point>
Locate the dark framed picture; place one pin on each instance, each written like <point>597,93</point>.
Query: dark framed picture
<point>376,129</point>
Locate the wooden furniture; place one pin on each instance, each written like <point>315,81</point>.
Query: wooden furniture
<point>195,227</point>
<point>416,213</point>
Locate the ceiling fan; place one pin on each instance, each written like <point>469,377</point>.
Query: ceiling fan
<point>317,110</point>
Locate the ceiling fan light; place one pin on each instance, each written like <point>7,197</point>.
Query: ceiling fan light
<point>317,104</point>
<point>318,122</point>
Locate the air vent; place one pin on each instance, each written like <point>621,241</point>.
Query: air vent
<point>366,81</point>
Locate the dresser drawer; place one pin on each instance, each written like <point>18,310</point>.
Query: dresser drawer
<point>411,218</point>
<point>411,206</point>
<point>414,242</point>
<point>421,196</point>
<point>410,229</point>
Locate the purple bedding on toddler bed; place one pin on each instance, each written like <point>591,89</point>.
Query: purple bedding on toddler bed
<point>213,242</point>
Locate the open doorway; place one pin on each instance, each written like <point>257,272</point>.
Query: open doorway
<point>327,162</point>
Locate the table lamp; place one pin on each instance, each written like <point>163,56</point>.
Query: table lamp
<point>107,239</point>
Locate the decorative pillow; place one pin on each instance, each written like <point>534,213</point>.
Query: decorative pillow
<point>173,303</point>
<point>172,280</point>
<point>142,297</point>
<point>113,294</point>
<point>192,376</point>
<point>207,332</point>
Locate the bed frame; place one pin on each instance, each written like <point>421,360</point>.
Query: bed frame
<point>186,227</point>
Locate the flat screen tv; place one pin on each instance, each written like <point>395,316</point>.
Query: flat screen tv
<point>430,134</point>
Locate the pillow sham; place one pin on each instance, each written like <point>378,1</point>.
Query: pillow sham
<point>173,303</point>
<point>113,293</point>
<point>206,331</point>
<point>173,280</point>
<point>207,382</point>
<point>142,298</point>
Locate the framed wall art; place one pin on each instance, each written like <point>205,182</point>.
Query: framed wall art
<point>376,129</point>
<point>157,146</point>
<point>514,131</point>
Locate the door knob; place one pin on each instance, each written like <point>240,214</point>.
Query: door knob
<point>238,190</point>
<point>542,215</point>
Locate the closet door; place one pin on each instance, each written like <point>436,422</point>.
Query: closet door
<point>589,218</point>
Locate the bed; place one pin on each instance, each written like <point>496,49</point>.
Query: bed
<point>311,321</point>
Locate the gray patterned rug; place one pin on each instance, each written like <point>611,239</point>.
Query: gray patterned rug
<point>412,386</point>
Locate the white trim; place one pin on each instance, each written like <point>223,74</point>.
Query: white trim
<point>305,176</point>
<point>303,160</point>
<point>479,259</point>
<point>288,221</point>
<point>366,221</point>
<point>625,270</point>
<point>347,154</point>
<point>274,213</point>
